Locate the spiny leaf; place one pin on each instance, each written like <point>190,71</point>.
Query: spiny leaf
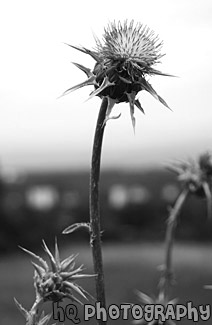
<point>151,90</point>
<point>80,276</point>
<point>138,104</point>
<point>57,255</point>
<point>66,264</point>
<point>113,118</point>
<point>93,54</point>
<point>144,298</point>
<point>87,71</point>
<point>76,226</point>
<point>73,298</point>
<point>51,257</point>
<point>163,102</point>
<point>69,274</point>
<point>175,169</point>
<point>105,83</point>
<point>172,302</point>
<point>44,264</point>
<point>154,71</point>
<point>110,104</point>
<point>90,81</point>
<point>131,98</point>
<point>40,271</point>
<point>75,288</point>
<point>24,312</point>
<point>87,293</point>
<point>44,320</point>
<point>125,80</point>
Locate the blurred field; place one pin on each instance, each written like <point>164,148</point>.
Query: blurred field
<point>127,267</point>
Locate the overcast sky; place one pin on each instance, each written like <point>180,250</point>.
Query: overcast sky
<point>37,130</point>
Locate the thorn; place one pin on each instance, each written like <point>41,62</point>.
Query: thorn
<point>157,72</point>
<point>38,269</point>
<point>151,90</point>
<point>75,288</point>
<point>43,263</point>
<point>89,82</point>
<point>110,104</point>
<point>51,257</point>
<point>44,319</point>
<point>93,54</point>
<point>131,98</point>
<point>105,83</point>
<point>138,104</point>
<point>87,71</point>
<point>57,254</point>
<point>24,312</point>
<point>125,80</point>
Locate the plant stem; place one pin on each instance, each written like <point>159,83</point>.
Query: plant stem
<point>167,277</point>
<point>35,311</point>
<point>94,206</point>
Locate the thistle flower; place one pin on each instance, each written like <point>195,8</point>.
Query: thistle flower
<point>124,58</point>
<point>196,176</point>
<point>58,281</point>
<point>161,299</point>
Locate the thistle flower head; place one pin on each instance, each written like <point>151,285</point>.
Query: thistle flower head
<point>130,43</point>
<point>161,299</point>
<point>57,281</point>
<point>124,58</point>
<point>196,175</point>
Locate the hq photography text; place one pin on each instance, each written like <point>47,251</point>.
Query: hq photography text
<point>148,312</point>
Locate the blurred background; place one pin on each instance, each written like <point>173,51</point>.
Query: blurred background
<point>46,142</point>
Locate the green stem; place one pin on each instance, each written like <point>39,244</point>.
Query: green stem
<point>94,206</point>
<point>169,242</point>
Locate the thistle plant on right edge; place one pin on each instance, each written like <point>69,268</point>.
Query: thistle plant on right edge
<point>195,177</point>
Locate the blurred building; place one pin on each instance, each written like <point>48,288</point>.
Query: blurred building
<point>42,197</point>
<point>120,195</point>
